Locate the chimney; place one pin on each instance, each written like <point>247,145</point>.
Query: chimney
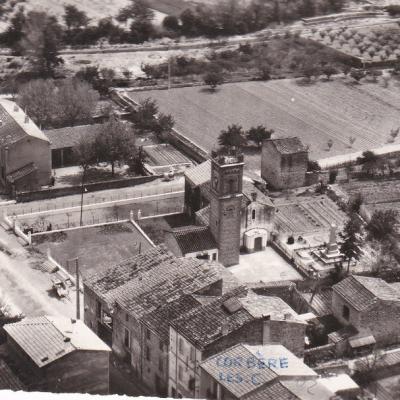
<point>287,316</point>
<point>67,339</point>
<point>224,328</point>
<point>254,196</point>
<point>73,321</point>
<point>26,119</point>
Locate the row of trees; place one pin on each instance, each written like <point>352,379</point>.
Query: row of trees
<point>236,136</point>
<point>232,17</point>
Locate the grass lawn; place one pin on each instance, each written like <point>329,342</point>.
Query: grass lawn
<point>333,110</point>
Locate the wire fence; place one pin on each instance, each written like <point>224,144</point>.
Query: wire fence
<point>88,200</point>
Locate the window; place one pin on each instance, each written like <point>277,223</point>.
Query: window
<point>253,215</point>
<point>148,334</point>
<point>192,383</point>
<point>160,364</point>
<point>127,338</point>
<point>148,355</point>
<point>192,354</point>
<point>126,317</point>
<point>161,346</point>
<point>180,347</point>
<point>214,256</point>
<point>346,312</point>
<point>180,372</point>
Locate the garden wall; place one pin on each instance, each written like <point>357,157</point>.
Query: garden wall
<point>52,193</point>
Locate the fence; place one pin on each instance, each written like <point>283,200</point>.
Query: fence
<point>92,187</point>
<point>12,223</point>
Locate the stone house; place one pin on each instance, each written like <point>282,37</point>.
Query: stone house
<point>25,158</point>
<point>58,354</point>
<point>284,163</point>
<point>369,308</point>
<point>239,316</point>
<point>129,305</point>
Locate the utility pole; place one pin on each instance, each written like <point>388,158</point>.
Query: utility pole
<point>169,73</point>
<point>77,286</point>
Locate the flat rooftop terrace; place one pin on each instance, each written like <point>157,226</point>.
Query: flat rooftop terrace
<point>264,266</point>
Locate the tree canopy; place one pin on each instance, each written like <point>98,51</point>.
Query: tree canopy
<point>233,136</point>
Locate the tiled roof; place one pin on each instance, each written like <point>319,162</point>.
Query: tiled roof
<point>147,281</point>
<point>165,155</point>
<point>308,390</point>
<point>203,325</point>
<point>274,307</point>
<point>238,352</point>
<point>8,380</point>
<point>69,137</point>
<point>203,216</point>
<point>267,375</point>
<point>200,173</point>
<point>362,292</point>
<point>13,126</point>
<point>250,191</point>
<point>289,145</point>
<point>21,172</point>
<point>159,319</point>
<point>195,239</point>
<point>321,303</point>
<point>342,334</point>
<point>273,391</point>
<point>46,339</point>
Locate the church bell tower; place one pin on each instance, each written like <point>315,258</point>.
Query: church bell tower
<point>225,205</point>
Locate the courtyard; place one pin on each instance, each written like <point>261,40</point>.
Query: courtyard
<point>264,266</point>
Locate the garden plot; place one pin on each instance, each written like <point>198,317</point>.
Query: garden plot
<point>316,113</point>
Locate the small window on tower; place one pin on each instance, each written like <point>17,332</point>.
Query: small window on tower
<point>253,215</point>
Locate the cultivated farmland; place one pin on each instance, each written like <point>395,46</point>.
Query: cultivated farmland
<point>334,110</point>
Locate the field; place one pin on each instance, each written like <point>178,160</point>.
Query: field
<point>334,110</point>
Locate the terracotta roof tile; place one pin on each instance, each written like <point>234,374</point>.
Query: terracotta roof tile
<point>8,380</point>
<point>195,239</point>
<point>199,174</point>
<point>70,136</point>
<point>288,145</point>
<point>274,391</point>
<point>362,292</point>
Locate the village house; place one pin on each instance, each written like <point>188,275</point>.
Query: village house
<point>284,163</point>
<point>129,305</point>
<point>369,308</point>
<point>58,354</point>
<point>239,316</point>
<point>25,158</point>
<point>247,372</point>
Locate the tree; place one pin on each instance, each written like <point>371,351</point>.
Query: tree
<point>351,245</point>
<point>233,136</point>
<point>115,143</point>
<point>382,225</point>
<point>333,173</point>
<point>74,18</point>
<point>213,79</point>
<point>14,32</point>
<point>329,70</point>
<point>163,124</point>
<point>369,161</point>
<point>355,203</point>
<point>144,116</point>
<point>171,22</point>
<point>357,74</point>
<point>71,102</point>
<point>41,42</point>
<point>329,144</point>
<point>138,10</point>
<point>85,154</point>
<point>352,139</point>
<point>313,166</point>
<point>258,134</point>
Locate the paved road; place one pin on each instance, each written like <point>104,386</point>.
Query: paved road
<point>157,187</point>
<point>26,288</point>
